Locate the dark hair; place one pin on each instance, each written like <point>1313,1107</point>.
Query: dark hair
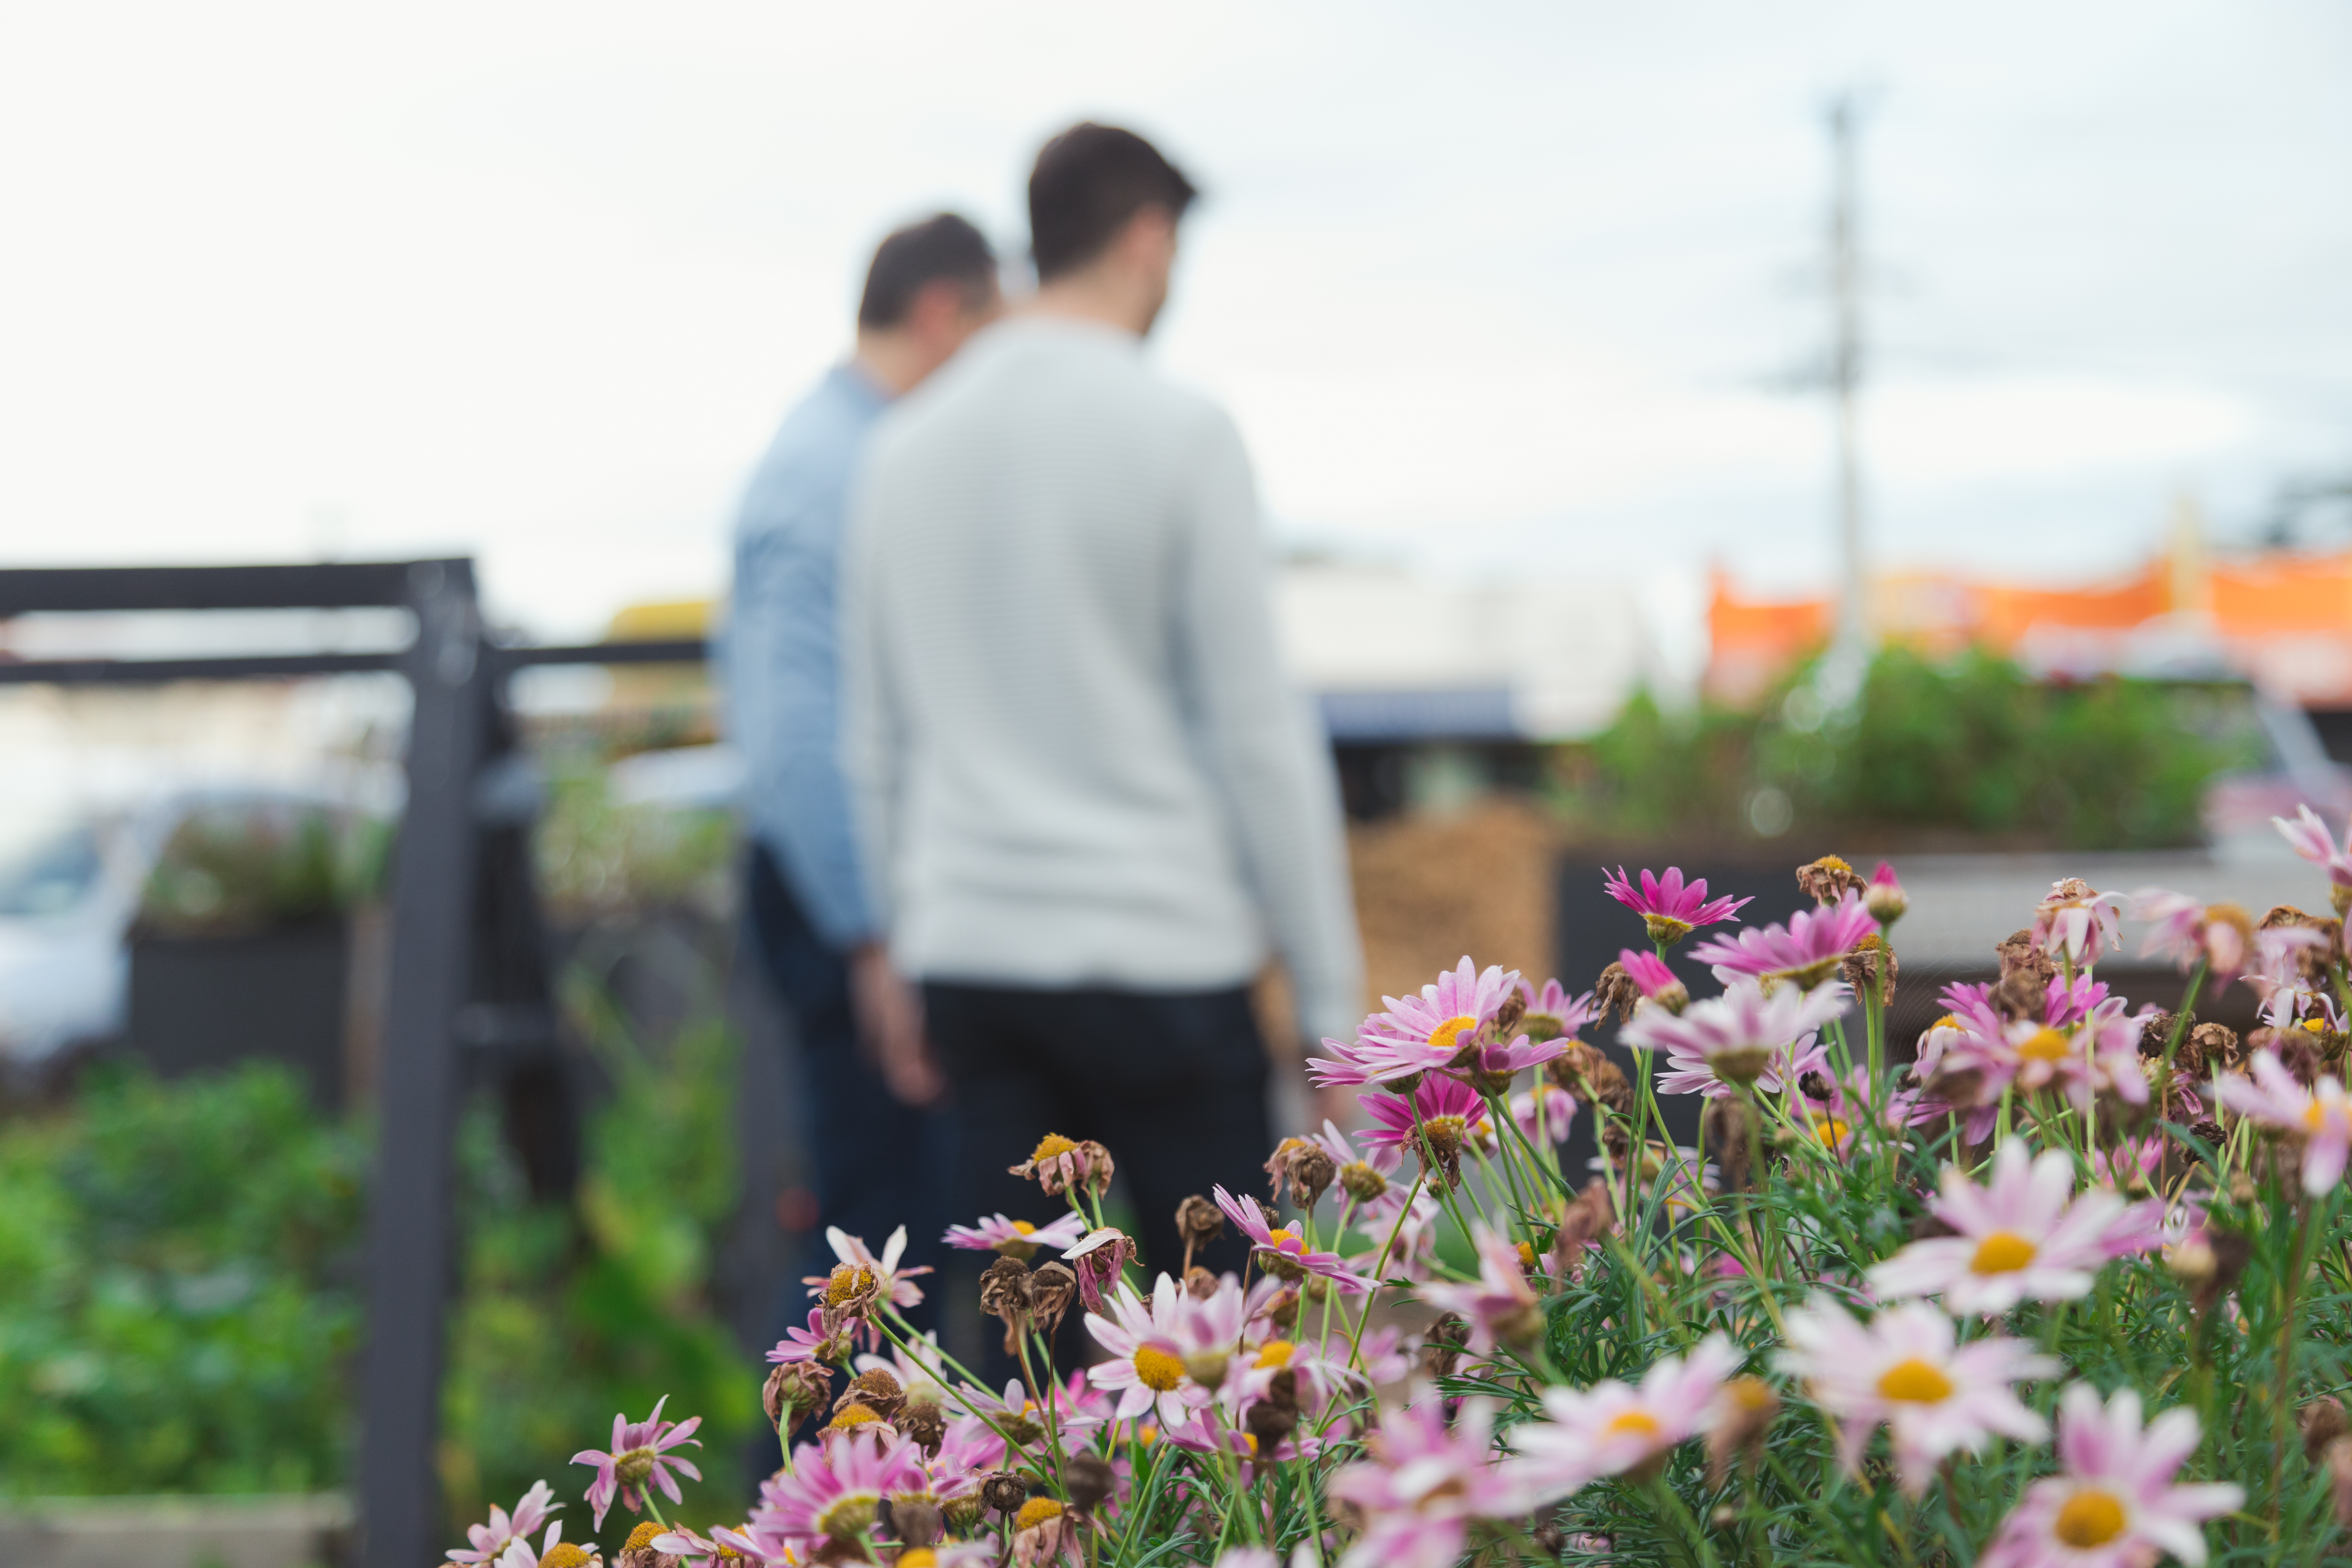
<point>913,257</point>
<point>1088,183</point>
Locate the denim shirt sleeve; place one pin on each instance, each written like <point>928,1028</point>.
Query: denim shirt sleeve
<point>783,665</point>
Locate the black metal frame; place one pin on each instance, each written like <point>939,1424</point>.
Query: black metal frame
<point>467,970</point>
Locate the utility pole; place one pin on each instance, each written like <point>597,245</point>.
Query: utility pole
<point>1849,657</point>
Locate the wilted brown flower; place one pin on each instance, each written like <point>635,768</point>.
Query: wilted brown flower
<point>2019,954</point>
<point>794,1389</point>
<point>1090,1479</point>
<point>2020,995</point>
<point>2340,1478</point>
<point>1004,1291</point>
<point>1050,1289</point>
<point>1274,1417</point>
<point>1441,1350</point>
<point>1588,1219</point>
<point>1745,1410</point>
<point>854,1416</point>
<point>2313,963</point>
<point>878,1390</point>
<point>1828,879</point>
<point>849,1294</point>
<point>1616,992</point>
<point>639,1552</point>
<point>1041,1532</point>
<point>1724,1126</point>
<point>1586,1072</point>
<point>1100,1258</point>
<point>1058,1162</point>
<point>1871,963</point>
<point>2210,1049</point>
<point>923,1419</point>
<point>2298,1052</point>
<point>916,1521</point>
<point>1306,1164</point>
<point>1004,1491</point>
<point>2155,1029</point>
<point>2321,1422</point>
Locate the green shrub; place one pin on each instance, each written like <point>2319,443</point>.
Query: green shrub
<point>177,1304</point>
<point>1966,746</point>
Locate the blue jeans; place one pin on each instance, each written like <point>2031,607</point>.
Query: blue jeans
<point>875,1162</point>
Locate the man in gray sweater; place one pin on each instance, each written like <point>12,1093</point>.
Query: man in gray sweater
<point>1091,804</point>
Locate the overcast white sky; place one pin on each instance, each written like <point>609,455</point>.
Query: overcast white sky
<point>1485,285</point>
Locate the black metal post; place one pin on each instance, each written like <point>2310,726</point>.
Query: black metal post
<point>411,1227</point>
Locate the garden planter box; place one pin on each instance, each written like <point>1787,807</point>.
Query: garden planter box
<point>177,1532</point>
<point>200,1003</point>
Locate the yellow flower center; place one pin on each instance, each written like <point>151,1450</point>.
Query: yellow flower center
<point>2002,1252</point>
<point>1051,1144</point>
<point>1146,1435</point>
<point>1830,1131</point>
<point>2091,1518</point>
<point>2314,1115</point>
<point>1036,1512</point>
<point>2316,1025</point>
<point>853,1415</point>
<point>1916,1382</point>
<point>1282,1237</point>
<point>846,1282</point>
<point>1633,1423</point>
<point>1156,1369</point>
<point>1948,1021</point>
<point>642,1536</point>
<point>1276,1353</point>
<point>851,1515</point>
<point>918,1557</point>
<point>1528,1256</point>
<point>563,1554</point>
<point>1023,1227</point>
<point>2046,1045</point>
<point>1441,1037</point>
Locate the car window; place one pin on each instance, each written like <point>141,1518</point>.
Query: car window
<point>48,873</point>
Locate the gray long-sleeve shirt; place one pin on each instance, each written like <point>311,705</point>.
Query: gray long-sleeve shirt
<point>1073,752</point>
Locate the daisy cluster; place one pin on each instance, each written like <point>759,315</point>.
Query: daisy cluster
<point>2055,1281</point>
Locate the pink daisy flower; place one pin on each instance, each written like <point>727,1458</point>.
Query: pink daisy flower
<point>1743,1036</point>
<point>2309,838</point>
<point>640,1453</point>
<point>2076,923</point>
<point>712,1551</point>
<point>1280,1248</point>
<point>2082,1044</point>
<point>488,1542</point>
<point>2184,929</point>
<point>1906,1370</point>
<point>1015,1237</point>
<point>894,1285</point>
<point>1558,1114</point>
<point>1418,1034</point>
<point>1147,1344</point>
<point>1447,1105</point>
<point>1649,971</point>
<point>1500,1304</point>
<point>2321,1116</point>
<point>1805,952</point>
<point>1424,1483</point>
<point>521,1553</point>
<point>2019,1238</point>
<point>803,1344</point>
<point>1551,1012</point>
<point>2113,1503</point>
<point>1612,1427</point>
<point>831,1492</point>
<point>1670,910</point>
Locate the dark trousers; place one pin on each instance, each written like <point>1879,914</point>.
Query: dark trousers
<point>1173,1083</point>
<point>876,1163</point>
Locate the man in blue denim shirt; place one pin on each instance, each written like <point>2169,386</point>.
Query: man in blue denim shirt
<point>880,1152</point>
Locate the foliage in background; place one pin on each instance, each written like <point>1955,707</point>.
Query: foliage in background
<point>245,866</point>
<point>572,1314</point>
<point>176,1289</point>
<point>1968,746</point>
<point>597,855</point>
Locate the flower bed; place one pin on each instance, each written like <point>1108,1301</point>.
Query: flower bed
<point>2068,1289</point>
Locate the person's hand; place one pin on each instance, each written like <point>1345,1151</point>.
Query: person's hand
<point>889,1014</point>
